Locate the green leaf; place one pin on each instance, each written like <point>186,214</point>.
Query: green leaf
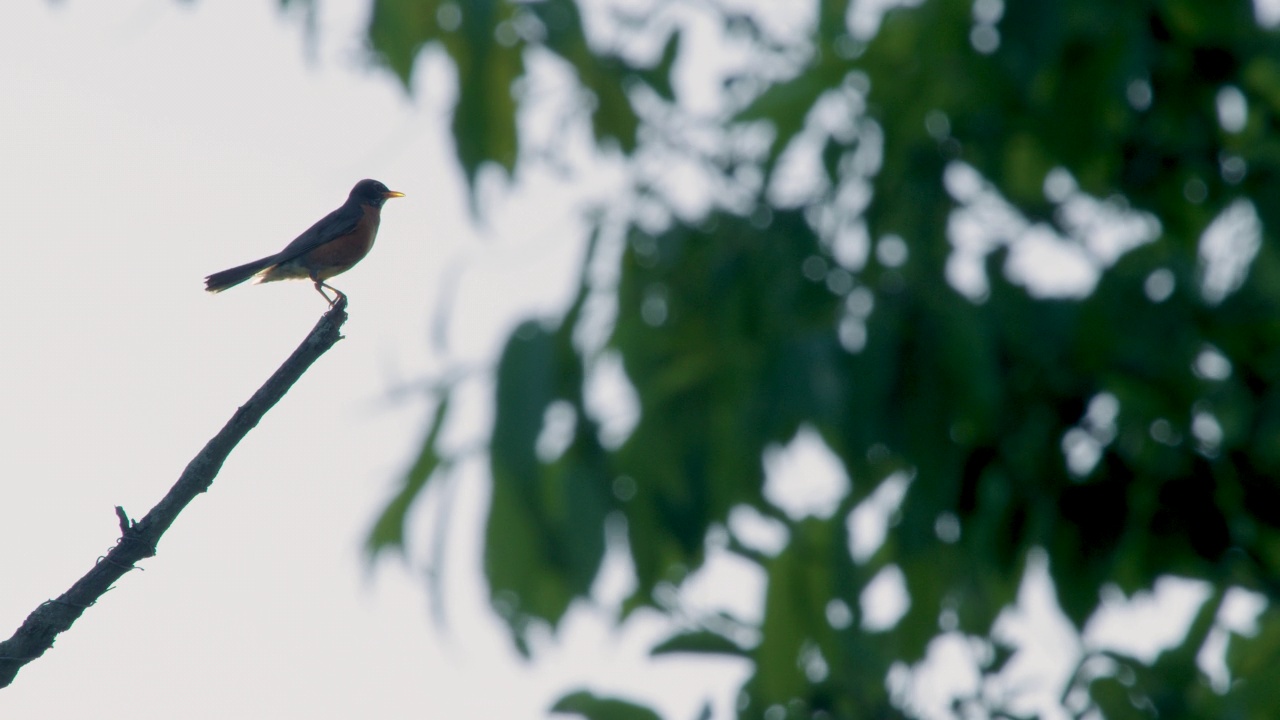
<point>701,642</point>
<point>388,531</point>
<point>785,106</point>
<point>1256,655</point>
<point>523,394</point>
<point>659,76</point>
<point>519,552</point>
<point>594,707</point>
<point>484,119</point>
<point>604,76</point>
<point>544,536</point>
<point>614,117</point>
<point>1115,700</point>
<point>398,29</point>
<point>801,584</point>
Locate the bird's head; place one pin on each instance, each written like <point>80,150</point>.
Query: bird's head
<point>372,192</point>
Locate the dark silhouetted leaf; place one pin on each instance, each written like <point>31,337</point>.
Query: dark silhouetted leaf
<point>594,707</point>
<point>703,641</point>
<point>388,531</point>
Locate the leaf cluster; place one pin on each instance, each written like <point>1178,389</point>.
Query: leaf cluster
<point>1128,433</point>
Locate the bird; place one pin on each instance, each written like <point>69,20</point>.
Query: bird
<point>332,246</point>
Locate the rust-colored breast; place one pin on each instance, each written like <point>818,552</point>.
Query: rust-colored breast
<point>340,254</point>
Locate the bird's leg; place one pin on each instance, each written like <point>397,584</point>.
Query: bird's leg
<point>320,289</point>
<point>338,294</point>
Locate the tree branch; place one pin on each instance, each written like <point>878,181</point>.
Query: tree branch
<point>138,539</point>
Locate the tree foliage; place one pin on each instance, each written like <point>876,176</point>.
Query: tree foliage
<point>1128,428</point>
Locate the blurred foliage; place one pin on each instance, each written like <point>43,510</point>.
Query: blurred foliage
<point>595,708</point>
<point>1129,432</point>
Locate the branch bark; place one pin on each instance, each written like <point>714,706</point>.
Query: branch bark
<point>138,539</point>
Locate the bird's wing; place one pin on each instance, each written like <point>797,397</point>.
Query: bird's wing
<point>340,222</point>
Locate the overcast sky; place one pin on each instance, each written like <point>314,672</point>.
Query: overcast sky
<point>144,145</point>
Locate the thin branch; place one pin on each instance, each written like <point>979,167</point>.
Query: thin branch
<point>139,538</point>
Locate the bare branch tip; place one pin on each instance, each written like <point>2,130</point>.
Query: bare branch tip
<point>125,523</point>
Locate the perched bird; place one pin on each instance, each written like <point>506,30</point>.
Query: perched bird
<point>330,247</point>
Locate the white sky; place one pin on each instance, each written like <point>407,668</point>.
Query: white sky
<point>143,145</point>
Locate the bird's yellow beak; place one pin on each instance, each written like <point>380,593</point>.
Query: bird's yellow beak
<point>392,194</point>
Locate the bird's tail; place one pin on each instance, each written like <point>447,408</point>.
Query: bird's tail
<point>220,281</point>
